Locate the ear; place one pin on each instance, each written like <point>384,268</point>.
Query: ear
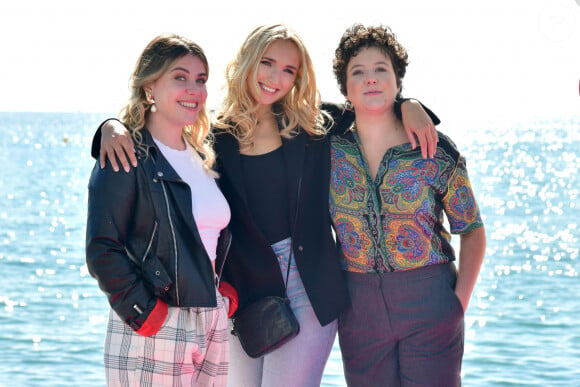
<point>148,92</point>
<point>347,97</point>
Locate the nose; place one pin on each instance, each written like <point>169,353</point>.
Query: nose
<point>195,88</point>
<point>371,80</point>
<point>275,75</point>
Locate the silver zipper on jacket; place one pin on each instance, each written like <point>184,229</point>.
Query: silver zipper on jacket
<point>174,239</point>
<point>150,242</point>
<point>134,258</point>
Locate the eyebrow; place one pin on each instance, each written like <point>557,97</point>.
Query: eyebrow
<point>186,71</point>
<point>376,63</point>
<point>274,60</point>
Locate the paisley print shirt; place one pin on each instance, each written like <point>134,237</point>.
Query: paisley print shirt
<point>396,222</point>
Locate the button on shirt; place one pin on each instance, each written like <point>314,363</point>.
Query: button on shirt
<point>396,222</point>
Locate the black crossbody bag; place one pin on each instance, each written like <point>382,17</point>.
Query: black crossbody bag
<point>268,323</point>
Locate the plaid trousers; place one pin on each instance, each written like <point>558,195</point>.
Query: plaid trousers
<point>190,349</point>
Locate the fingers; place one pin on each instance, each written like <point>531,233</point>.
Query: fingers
<point>125,148</point>
<point>428,139</point>
<point>111,156</point>
<point>102,157</point>
<point>116,154</point>
<point>411,137</point>
<point>131,152</point>
<point>118,147</point>
<point>424,143</point>
<point>433,140</point>
<point>119,151</point>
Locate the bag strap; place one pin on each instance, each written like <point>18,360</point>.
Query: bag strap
<point>293,228</point>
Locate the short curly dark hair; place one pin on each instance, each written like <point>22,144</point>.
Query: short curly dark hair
<point>359,36</point>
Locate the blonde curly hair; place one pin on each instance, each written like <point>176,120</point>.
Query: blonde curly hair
<point>299,108</point>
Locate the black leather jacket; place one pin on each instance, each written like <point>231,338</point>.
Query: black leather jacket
<point>142,242</point>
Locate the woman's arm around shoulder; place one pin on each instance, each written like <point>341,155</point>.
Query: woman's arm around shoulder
<point>112,140</point>
<point>419,123</point>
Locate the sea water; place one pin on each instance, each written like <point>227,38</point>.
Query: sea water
<point>523,321</point>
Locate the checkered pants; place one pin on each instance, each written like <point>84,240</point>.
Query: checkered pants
<point>190,349</point>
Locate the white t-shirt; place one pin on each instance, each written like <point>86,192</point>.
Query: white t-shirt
<point>211,211</point>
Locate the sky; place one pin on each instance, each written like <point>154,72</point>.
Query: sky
<point>480,61</point>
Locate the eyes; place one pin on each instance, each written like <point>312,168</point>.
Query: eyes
<point>201,80</point>
<point>269,63</point>
<point>378,69</point>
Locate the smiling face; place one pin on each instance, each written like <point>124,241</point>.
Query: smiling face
<point>180,93</point>
<point>276,72</point>
<point>371,84</point>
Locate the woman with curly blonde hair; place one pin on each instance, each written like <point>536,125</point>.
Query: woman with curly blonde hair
<point>298,107</point>
<point>152,233</point>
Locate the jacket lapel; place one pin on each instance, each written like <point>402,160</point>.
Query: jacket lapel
<point>294,150</point>
<point>161,170</point>
<point>228,152</point>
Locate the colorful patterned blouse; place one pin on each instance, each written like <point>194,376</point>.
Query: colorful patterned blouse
<point>396,222</point>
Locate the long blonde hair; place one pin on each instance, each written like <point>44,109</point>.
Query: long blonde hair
<point>300,107</point>
<point>153,62</point>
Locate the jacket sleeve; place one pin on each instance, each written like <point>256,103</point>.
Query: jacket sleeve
<point>227,290</point>
<point>111,203</point>
<point>399,102</point>
<point>341,117</point>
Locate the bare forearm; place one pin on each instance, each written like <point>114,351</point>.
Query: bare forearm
<point>471,254</point>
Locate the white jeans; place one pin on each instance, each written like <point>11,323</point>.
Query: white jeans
<point>301,361</point>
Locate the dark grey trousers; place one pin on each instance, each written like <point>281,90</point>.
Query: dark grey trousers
<point>403,328</point>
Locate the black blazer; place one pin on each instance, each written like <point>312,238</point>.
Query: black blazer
<point>251,266</point>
